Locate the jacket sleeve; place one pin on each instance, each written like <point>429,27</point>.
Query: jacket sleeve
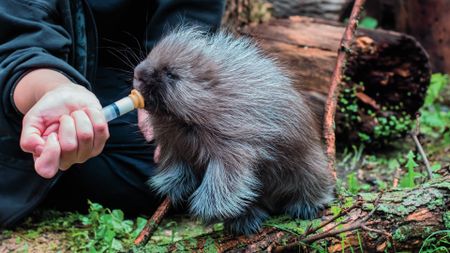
<point>172,13</point>
<point>31,37</point>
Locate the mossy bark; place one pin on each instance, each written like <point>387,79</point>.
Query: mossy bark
<point>402,220</point>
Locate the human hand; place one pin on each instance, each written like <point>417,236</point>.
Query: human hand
<point>65,126</point>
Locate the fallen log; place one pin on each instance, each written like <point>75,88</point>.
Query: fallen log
<point>386,78</point>
<point>399,219</point>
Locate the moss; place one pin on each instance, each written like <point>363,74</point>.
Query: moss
<point>427,231</point>
<point>441,185</point>
<point>395,203</point>
<point>446,218</point>
<point>439,201</point>
<point>401,234</point>
<point>296,226</point>
<point>210,246</point>
<point>402,209</point>
<point>368,197</point>
<point>368,206</point>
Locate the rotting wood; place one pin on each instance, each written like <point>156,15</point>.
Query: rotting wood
<point>386,78</point>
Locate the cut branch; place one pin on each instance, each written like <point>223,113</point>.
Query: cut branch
<point>152,223</point>
<point>333,92</point>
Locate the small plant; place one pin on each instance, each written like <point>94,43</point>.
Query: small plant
<point>110,231</point>
<point>437,242</point>
<point>352,183</point>
<point>368,23</point>
<point>434,118</point>
<point>392,126</point>
<point>408,180</point>
<point>437,84</point>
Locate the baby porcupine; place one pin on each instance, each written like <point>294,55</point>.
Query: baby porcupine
<point>238,142</point>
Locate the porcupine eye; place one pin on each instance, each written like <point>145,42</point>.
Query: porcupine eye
<point>170,75</point>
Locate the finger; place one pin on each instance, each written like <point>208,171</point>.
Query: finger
<point>68,141</point>
<point>47,164</point>
<point>30,137</point>
<point>85,135</point>
<point>100,127</point>
<point>53,128</point>
<point>144,124</point>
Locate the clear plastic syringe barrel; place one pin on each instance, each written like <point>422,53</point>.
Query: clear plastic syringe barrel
<point>118,108</point>
<point>124,105</point>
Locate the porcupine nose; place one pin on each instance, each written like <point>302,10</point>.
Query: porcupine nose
<point>139,76</point>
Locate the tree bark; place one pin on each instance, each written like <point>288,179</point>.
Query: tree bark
<point>239,13</point>
<point>328,9</point>
<point>397,220</point>
<point>387,73</point>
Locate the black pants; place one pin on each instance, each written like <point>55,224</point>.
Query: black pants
<point>117,178</point>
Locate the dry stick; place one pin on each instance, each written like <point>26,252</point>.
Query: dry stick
<point>333,92</point>
<point>152,223</point>
<point>414,135</point>
<point>342,213</point>
<point>396,177</point>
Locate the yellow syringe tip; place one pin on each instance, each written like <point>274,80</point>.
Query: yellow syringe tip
<point>137,98</point>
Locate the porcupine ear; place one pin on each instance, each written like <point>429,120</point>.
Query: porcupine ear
<point>224,192</point>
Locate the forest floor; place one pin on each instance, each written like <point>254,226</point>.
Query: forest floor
<point>359,170</point>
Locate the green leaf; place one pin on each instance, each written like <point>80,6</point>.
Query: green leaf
<point>116,245</point>
<point>436,167</point>
<point>353,184</point>
<point>437,83</point>
<point>408,180</point>
<point>117,215</point>
<point>411,164</point>
<point>368,23</point>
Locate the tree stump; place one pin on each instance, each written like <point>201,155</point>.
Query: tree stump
<point>387,74</point>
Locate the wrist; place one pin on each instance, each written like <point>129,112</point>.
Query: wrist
<point>34,85</point>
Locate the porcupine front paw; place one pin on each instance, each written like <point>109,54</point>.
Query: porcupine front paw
<point>248,223</point>
<point>177,181</point>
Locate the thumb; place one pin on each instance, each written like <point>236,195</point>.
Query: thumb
<point>47,164</point>
<point>31,136</point>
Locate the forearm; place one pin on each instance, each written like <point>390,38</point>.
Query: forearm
<point>36,84</point>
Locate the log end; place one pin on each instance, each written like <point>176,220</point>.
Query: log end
<point>385,85</point>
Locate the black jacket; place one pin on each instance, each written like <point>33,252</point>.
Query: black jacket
<point>63,35</point>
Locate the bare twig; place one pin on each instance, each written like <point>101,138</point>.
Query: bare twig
<point>333,92</point>
<point>414,135</point>
<point>381,232</point>
<point>396,177</point>
<point>152,223</point>
<point>342,213</point>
